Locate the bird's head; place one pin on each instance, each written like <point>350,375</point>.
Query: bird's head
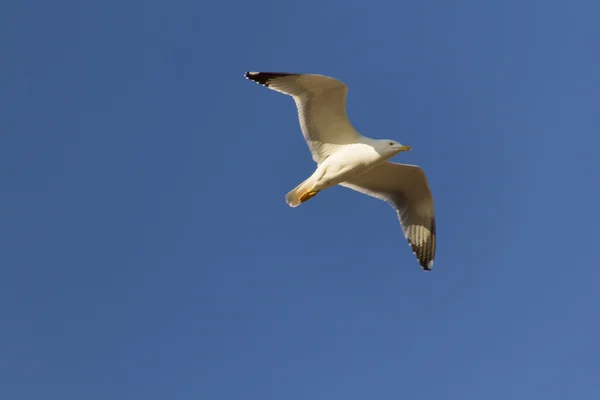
<point>390,147</point>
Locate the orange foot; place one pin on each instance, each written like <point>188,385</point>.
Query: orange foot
<point>307,196</point>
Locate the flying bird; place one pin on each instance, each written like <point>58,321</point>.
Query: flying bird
<point>345,157</point>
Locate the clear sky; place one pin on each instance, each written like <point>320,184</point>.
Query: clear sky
<point>147,251</point>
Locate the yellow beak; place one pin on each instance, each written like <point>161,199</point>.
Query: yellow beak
<point>405,148</point>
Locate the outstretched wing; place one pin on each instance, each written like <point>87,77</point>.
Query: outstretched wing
<point>321,103</point>
<point>406,189</point>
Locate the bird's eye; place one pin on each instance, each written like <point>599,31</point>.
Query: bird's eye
<point>391,143</point>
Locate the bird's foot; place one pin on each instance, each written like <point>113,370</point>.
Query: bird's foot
<point>308,195</point>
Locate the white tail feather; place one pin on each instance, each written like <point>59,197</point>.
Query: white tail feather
<point>293,197</point>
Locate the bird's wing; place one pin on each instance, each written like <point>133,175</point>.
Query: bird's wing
<point>321,103</point>
<point>406,189</point>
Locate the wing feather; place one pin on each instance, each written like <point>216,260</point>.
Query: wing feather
<point>405,188</point>
<point>321,104</point>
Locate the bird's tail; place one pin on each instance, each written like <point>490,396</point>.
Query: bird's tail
<point>300,194</point>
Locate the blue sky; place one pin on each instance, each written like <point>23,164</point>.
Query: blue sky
<point>147,251</point>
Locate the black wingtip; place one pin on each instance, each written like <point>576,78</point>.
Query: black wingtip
<point>263,78</point>
<point>426,263</point>
<point>257,77</point>
<point>425,259</point>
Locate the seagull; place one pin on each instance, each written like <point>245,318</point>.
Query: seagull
<point>346,158</point>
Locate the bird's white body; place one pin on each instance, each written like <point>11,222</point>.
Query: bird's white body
<point>349,161</point>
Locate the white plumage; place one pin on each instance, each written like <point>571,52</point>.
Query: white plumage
<point>345,157</point>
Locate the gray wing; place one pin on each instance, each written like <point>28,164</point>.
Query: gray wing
<point>405,188</point>
<point>321,104</point>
